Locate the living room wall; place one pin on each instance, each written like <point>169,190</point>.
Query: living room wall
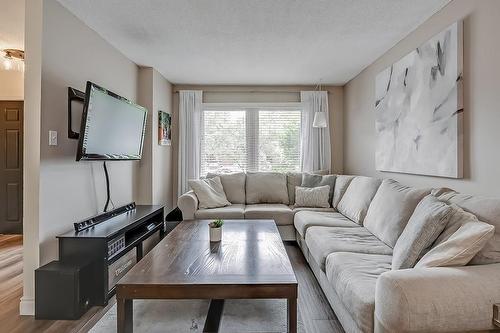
<point>68,191</point>
<point>263,94</point>
<point>481,100</point>
<point>11,85</point>
<point>155,168</point>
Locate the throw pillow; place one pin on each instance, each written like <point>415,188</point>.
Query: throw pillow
<point>266,187</point>
<point>487,210</point>
<point>210,192</point>
<point>460,247</point>
<point>426,223</point>
<point>341,184</point>
<point>312,197</point>
<point>234,186</point>
<point>293,179</point>
<point>391,209</point>
<point>312,180</point>
<point>356,199</point>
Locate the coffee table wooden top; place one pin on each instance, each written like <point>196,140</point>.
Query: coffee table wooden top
<point>251,253</point>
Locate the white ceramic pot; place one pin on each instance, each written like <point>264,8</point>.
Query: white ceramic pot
<point>215,234</point>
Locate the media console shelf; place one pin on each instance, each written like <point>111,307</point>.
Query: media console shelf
<point>112,247</point>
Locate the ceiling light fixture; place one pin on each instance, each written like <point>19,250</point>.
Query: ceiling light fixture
<point>13,59</point>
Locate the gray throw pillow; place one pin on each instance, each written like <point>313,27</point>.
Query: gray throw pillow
<point>310,180</point>
<point>426,223</point>
<point>312,196</point>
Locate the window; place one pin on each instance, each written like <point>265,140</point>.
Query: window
<point>250,139</point>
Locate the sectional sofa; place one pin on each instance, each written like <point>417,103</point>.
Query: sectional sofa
<point>349,248</point>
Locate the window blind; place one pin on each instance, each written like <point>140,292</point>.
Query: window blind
<point>251,139</point>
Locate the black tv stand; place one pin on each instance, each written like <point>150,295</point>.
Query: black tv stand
<point>112,245</point>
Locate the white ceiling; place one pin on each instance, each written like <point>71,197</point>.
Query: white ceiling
<point>12,24</point>
<point>254,41</point>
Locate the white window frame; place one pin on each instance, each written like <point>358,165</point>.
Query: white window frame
<point>250,109</point>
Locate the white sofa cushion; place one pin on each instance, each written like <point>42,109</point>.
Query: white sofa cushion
<point>311,180</point>
<point>391,209</point>
<point>438,299</point>
<point>426,223</point>
<point>356,199</point>
<point>305,219</point>
<point>236,211</point>
<point>487,210</point>
<point>282,214</point>
<point>459,248</point>
<point>234,186</point>
<point>354,278</point>
<point>293,179</point>
<point>312,197</point>
<point>209,192</point>
<point>322,241</point>
<point>266,187</point>
<point>341,184</point>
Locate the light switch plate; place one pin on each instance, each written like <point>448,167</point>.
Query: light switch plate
<point>52,138</point>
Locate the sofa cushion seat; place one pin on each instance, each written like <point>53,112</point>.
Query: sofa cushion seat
<point>307,218</point>
<point>235,211</point>
<point>354,278</point>
<point>282,214</point>
<point>322,241</point>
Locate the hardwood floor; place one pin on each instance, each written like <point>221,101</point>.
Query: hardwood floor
<point>11,287</point>
<point>315,312</point>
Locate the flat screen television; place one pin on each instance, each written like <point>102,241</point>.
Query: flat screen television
<point>112,127</point>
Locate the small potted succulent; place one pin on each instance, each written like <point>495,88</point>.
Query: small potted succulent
<point>216,230</point>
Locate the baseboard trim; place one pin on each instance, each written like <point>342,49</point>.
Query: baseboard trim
<point>27,306</point>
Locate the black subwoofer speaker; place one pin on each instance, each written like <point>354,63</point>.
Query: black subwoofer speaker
<point>62,291</point>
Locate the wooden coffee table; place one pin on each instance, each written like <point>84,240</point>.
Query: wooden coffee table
<point>249,262</point>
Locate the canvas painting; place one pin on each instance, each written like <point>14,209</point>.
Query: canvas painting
<point>418,109</point>
<point>164,129</point>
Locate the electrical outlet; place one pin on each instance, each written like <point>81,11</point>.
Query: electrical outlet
<point>52,138</point>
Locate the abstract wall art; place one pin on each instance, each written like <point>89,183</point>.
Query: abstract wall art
<point>418,109</point>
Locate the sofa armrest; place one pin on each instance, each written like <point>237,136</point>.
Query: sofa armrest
<point>188,204</point>
<point>439,299</point>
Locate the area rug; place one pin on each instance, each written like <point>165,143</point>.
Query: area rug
<point>245,316</point>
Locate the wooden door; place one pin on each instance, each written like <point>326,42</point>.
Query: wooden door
<point>11,167</point>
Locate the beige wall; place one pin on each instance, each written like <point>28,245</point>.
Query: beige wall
<point>155,169</point>
<point>31,151</point>
<point>68,190</point>
<point>162,155</point>
<point>71,190</point>
<point>11,85</point>
<point>481,100</point>
<point>263,94</point>
<point>58,190</point>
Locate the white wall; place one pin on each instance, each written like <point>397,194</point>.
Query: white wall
<point>11,85</point>
<point>481,101</point>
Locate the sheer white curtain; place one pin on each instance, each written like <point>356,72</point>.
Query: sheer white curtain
<point>315,142</point>
<point>190,120</point>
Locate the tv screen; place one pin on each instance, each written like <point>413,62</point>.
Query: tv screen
<point>112,127</point>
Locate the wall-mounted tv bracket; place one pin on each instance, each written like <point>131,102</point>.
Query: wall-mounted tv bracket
<point>74,95</point>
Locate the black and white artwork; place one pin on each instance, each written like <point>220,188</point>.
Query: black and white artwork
<point>418,109</point>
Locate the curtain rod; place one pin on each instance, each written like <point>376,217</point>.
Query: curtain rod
<point>250,91</point>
